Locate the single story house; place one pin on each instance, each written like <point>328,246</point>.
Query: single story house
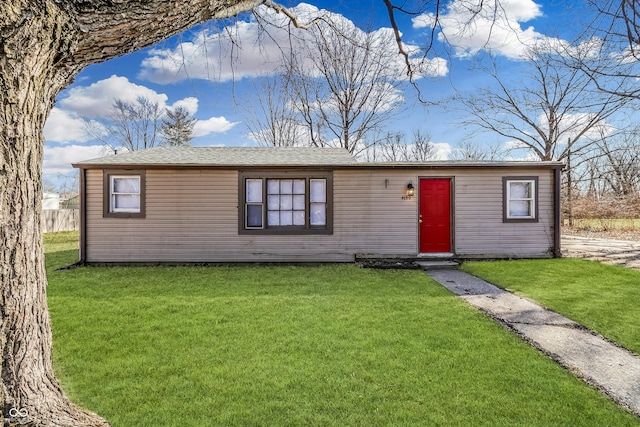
<point>286,204</point>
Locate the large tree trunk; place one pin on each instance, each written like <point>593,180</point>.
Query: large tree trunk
<point>43,45</point>
<point>29,81</point>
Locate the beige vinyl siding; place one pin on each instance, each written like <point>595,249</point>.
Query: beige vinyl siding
<point>371,218</point>
<point>192,216</point>
<point>479,230</point>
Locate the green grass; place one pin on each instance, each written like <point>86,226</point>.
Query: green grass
<point>604,298</point>
<point>329,345</point>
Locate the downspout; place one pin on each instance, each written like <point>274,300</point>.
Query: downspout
<point>557,250</point>
<point>83,217</point>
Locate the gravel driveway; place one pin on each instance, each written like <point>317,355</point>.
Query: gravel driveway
<point>624,253</point>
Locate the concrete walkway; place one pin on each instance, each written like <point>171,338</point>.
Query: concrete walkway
<point>611,369</point>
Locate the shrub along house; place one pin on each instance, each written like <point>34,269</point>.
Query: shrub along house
<point>227,204</point>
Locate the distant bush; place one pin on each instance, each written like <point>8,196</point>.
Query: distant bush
<point>604,213</point>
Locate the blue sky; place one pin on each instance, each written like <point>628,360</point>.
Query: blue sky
<point>217,87</point>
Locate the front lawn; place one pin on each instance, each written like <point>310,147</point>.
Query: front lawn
<point>327,345</point>
<point>604,298</point>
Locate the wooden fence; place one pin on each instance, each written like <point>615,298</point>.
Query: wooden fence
<point>60,220</point>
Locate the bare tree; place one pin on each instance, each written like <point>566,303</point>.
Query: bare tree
<point>393,147</point>
<point>617,165</point>
<point>129,125</point>
<point>271,121</point>
<point>553,104</point>
<point>472,151</point>
<point>422,149</point>
<point>340,86</point>
<point>135,125</point>
<point>617,22</point>
<point>177,127</point>
<point>613,33</point>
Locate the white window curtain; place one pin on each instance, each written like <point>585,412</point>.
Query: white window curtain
<point>318,202</point>
<point>521,199</point>
<point>286,202</point>
<point>125,194</point>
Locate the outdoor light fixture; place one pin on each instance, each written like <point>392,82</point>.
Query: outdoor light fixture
<point>409,192</point>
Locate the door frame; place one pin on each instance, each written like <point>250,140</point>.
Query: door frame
<point>452,205</point>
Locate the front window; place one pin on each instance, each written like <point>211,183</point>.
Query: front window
<point>283,204</point>
<point>520,199</point>
<point>286,202</point>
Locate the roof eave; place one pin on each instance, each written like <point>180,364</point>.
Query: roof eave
<point>435,165</point>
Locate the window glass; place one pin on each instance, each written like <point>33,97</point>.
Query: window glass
<point>298,186</point>
<point>254,191</point>
<point>126,185</point>
<point>520,190</point>
<point>125,194</point>
<point>286,202</point>
<point>519,208</point>
<point>318,190</point>
<point>254,216</point>
<point>273,202</point>
<point>520,199</point>
<point>129,202</point>
<point>298,217</point>
<point>286,186</point>
<point>286,218</point>
<point>273,186</point>
<point>273,218</point>
<point>298,202</point>
<point>318,214</point>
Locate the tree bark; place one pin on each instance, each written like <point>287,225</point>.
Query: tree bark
<point>43,45</point>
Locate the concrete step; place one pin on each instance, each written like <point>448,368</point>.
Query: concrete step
<point>437,264</point>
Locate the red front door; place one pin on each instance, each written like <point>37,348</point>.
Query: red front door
<point>435,215</point>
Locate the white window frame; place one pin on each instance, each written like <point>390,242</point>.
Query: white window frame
<point>253,203</point>
<point>113,194</point>
<point>532,200</point>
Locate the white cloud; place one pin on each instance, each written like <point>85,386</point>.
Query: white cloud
<point>212,125</point>
<point>96,100</point>
<point>58,160</point>
<point>63,126</point>
<point>514,145</point>
<point>190,104</point>
<point>442,150</point>
<point>245,50</point>
<point>84,106</point>
<point>496,27</point>
<point>571,125</point>
<point>527,157</point>
<point>426,20</point>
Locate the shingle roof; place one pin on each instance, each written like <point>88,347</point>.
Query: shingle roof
<point>227,156</point>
